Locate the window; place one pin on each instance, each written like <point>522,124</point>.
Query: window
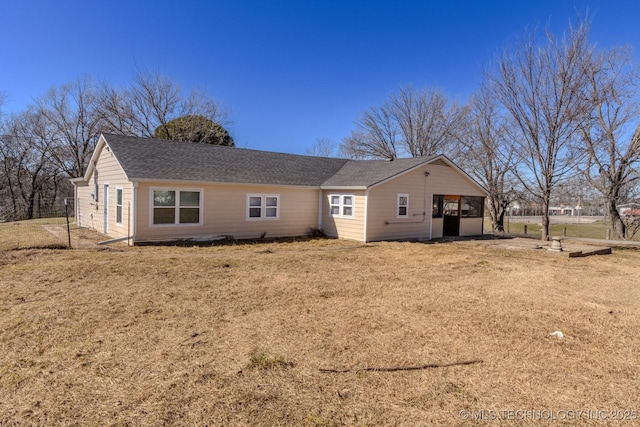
<point>263,206</point>
<point>472,207</point>
<point>403,206</point>
<point>119,205</point>
<point>176,206</point>
<point>341,205</point>
<point>438,203</point>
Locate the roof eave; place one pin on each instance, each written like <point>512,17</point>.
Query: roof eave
<point>200,182</point>
<point>343,187</point>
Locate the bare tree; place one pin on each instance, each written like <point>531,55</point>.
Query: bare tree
<point>411,123</point>
<point>323,147</point>
<point>611,143</point>
<point>377,136</point>
<point>74,121</point>
<point>429,123</point>
<point>33,177</point>
<point>488,155</point>
<point>151,101</point>
<point>542,86</point>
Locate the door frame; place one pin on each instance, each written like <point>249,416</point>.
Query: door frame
<point>105,210</point>
<point>451,222</point>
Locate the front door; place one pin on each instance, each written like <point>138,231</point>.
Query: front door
<point>105,216</point>
<point>451,216</point>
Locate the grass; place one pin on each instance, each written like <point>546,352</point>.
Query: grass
<point>238,335</point>
<point>595,230</point>
<point>48,233</point>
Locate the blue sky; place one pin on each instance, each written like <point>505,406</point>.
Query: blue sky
<point>291,72</point>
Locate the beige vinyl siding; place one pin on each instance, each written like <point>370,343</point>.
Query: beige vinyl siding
<point>225,213</point>
<point>447,180</point>
<point>437,225</point>
<point>90,213</point>
<point>344,228</point>
<point>383,223</point>
<point>471,226</point>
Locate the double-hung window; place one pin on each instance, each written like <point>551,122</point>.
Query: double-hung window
<point>119,205</point>
<point>176,206</point>
<point>263,206</point>
<point>342,205</point>
<point>403,206</point>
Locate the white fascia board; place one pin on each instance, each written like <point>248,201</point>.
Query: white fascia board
<point>92,160</point>
<point>344,187</point>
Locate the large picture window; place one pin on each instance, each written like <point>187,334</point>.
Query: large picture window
<point>342,205</point>
<point>263,206</point>
<point>176,206</point>
<point>472,207</point>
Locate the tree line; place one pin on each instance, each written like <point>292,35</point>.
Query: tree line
<point>53,139</point>
<point>550,111</point>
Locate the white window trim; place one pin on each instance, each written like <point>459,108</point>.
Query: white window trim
<point>263,207</point>
<point>119,188</point>
<point>177,210</point>
<point>398,205</point>
<point>341,206</point>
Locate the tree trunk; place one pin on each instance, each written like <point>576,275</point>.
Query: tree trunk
<point>545,219</point>
<point>618,225</point>
<point>497,216</point>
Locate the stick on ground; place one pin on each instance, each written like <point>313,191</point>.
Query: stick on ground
<point>403,368</point>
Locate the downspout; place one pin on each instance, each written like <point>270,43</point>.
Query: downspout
<point>320,210</point>
<point>366,205</point>
<point>133,209</point>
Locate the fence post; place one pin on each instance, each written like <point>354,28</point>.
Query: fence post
<point>564,232</point>
<point>608,233</point>
<point>525,229</point>
<point>66,213</point>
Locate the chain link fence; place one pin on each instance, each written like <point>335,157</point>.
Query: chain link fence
<point>52,226</point>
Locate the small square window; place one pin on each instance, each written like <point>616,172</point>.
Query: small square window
<point>341,206</point>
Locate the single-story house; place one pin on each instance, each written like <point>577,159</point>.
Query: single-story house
<point>146,190</point>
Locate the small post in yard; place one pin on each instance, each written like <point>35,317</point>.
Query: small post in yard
<point>608,233</point>
<point>564,232</point>
<point>66,212</point>
<point>525,229</point>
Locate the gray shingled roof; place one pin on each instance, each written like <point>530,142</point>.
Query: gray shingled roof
<point>365,173</point>
<point>157,159</point>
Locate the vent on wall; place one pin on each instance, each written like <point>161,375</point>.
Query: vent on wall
<point>439,162</point>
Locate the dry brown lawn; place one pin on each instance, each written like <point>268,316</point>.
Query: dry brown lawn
<point>238,335</point>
